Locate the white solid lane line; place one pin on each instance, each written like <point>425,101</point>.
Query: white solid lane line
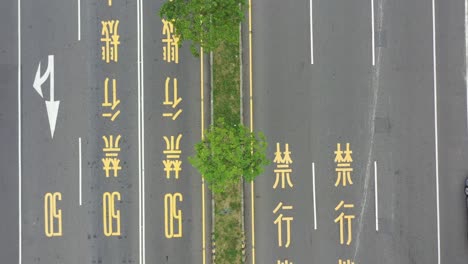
<point>139,137</point>
<point>20,215</point>
<point>79,19</point>
<point>315,197</point>
<point>376,198</point>
<point>79,171</point>
<point>141,175</point>
<point>436,140</point>
<point>466,60</point>
<point>142,98</point>
<point>373,32</point>
<point>311,32</point>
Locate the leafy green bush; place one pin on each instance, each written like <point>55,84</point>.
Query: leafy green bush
<point>228,153</point>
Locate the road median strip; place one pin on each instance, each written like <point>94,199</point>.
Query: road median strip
<point>228,232</point>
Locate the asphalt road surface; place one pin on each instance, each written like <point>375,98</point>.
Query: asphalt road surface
<point>186,122</point>
<point>98,181</point>
<point>385,110</point>
<point>9,133</point>
<point>453,130</point>
<point>405,122</point>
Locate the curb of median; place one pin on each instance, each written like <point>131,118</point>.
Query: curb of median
<point>213,239</point>
<point>241,84</point>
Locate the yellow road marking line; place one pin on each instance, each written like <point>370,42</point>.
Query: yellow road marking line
<point>252,185</point>
<point>202,137</point>
<point>250,65</point>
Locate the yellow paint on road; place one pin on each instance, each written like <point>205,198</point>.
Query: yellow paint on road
<point>110,214</point>
<point>341,219</point>
<point>52,215</point>
<point>252,185</point>
<point>172,215</point>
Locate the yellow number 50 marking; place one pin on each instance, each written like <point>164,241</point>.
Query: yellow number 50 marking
<point>172,215</point>
<point>52,216</point>
<point>109,214</point>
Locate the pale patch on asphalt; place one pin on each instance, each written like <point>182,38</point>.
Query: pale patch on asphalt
<point>372,114</point>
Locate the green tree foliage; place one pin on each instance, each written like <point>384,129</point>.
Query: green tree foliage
<point>228,153</point>
<point>205,23</point>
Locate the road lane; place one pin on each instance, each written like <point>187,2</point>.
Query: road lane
<point>49,165</point>
<point>9,245</point>
<point>386,113</point>
<point>312,110</point>
<point>81,76</point>
<point>275,111</point>
<point>341,108</point>
<point>452,130</point>
<point>401,138</point>
<point>119,73</point>
<point>183,118</point>
<point>404,134</point>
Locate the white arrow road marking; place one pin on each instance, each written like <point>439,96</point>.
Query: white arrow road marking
<point>52,111</point>
<point>39,80</point>
<point>51,105</point>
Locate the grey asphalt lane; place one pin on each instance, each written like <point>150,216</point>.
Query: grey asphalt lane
<point>404,141</point>
<point>185,243</point>
<point>280,90</point>
<point>9,132</point>
<point>51,165</point>
<point>385,112</point>
<point>453,132</point>
<point>123,246</point>
<point>312,108</point>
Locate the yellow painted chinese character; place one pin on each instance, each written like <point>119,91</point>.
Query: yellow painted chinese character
<point>341,218</point>
<point>172,215</point>
<point>172,165</point>
<point>284,262</point>
<point>115,102</point>
<point>282,170</point>
<point>286,159</point>
<point>345,261</point>
<point>279,220</point>
<point>110,214</point>
<point>52,216</point>
<point>172,152</point>
<point>285,175</point>
<point>344,165</point>
<point>171,50</point>
<point>174,102</point>
<point>110,39</point>
<point>111,150</point>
